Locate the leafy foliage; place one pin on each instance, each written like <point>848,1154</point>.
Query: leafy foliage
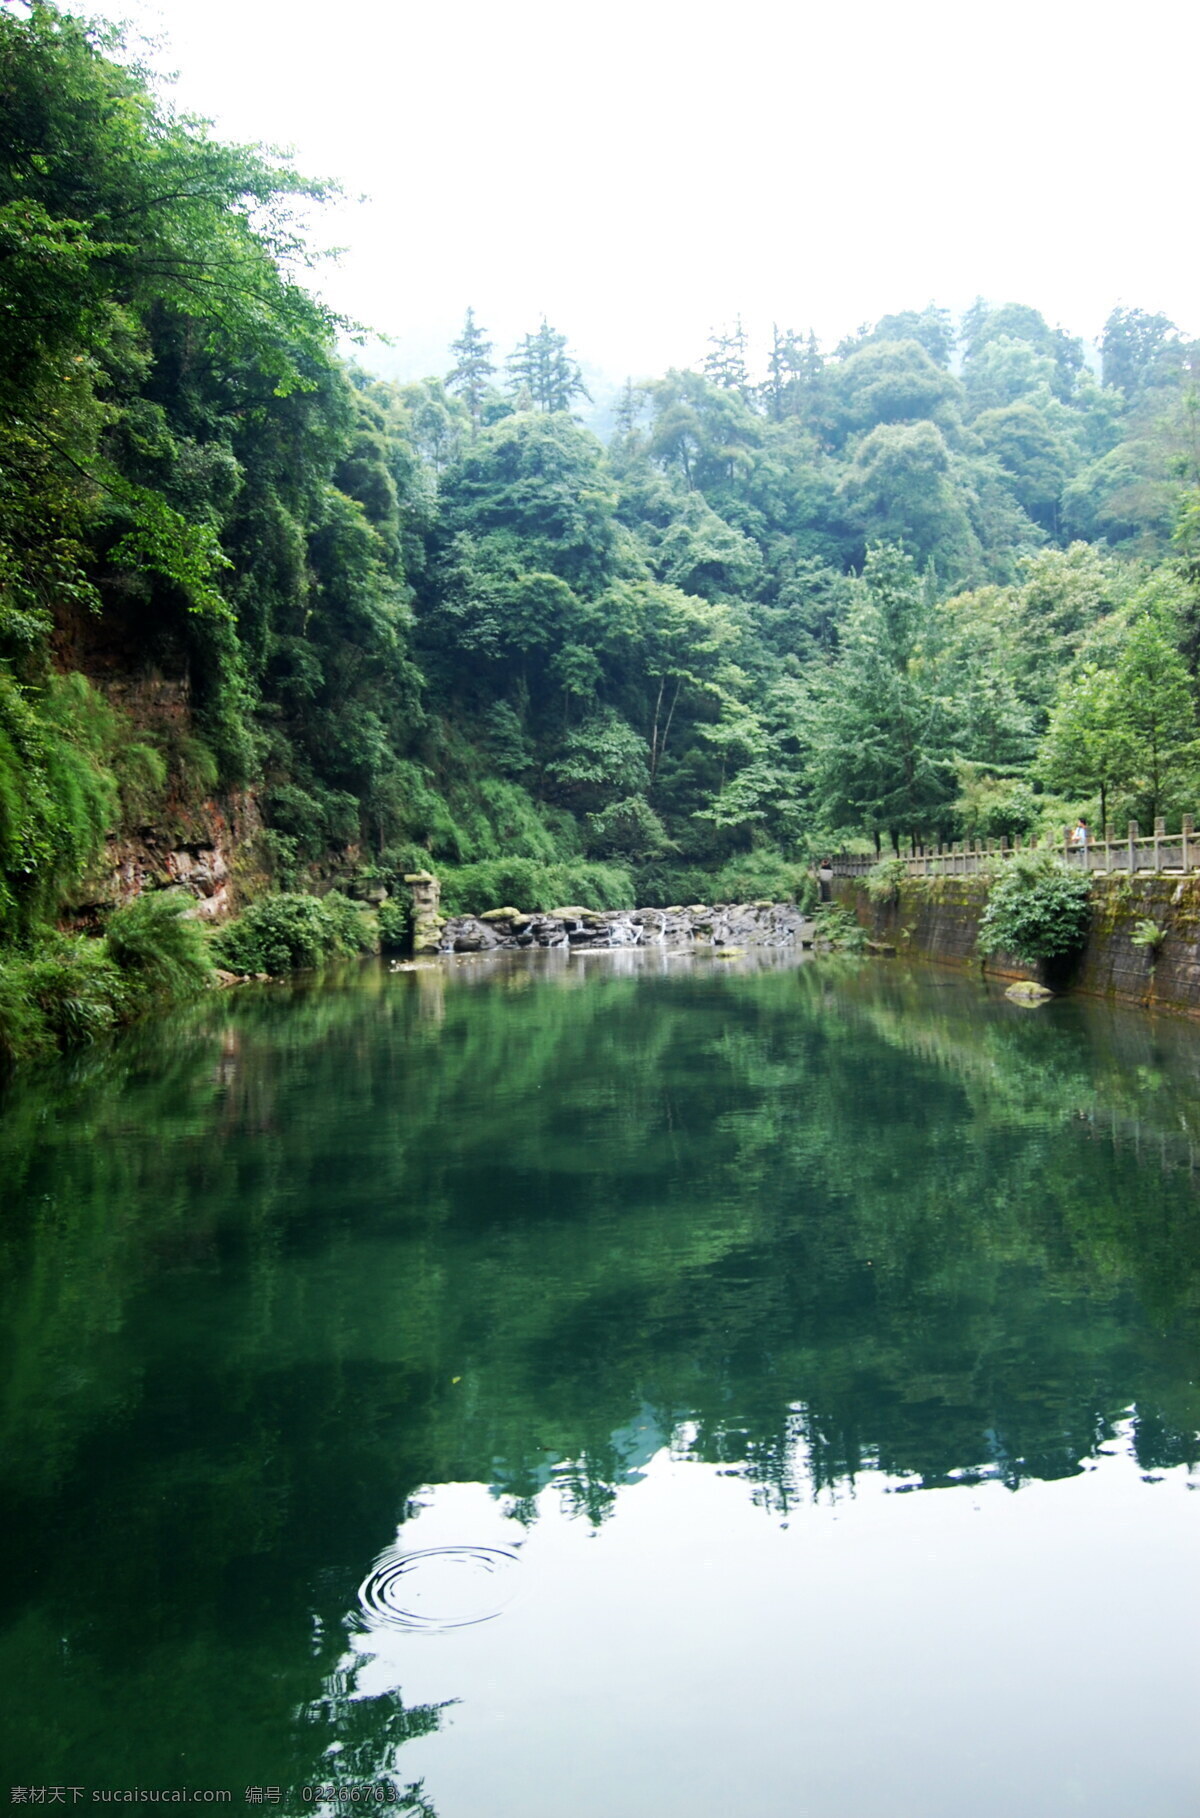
<point>289,932</point>
<point>838,928</point>
<point>1038,910</point>
<point>1147,934</point>
<point>68,991</point>
<point>394,921</point>
<point>58,792</point>
<point>155,942</point>
<point>884,880</point>
<point>439,623</point>
<point>525,884</point>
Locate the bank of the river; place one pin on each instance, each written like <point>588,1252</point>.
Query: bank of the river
<point>938,919</point>
<point>76,988</point>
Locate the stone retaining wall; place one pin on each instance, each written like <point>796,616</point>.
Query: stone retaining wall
<point>939,919</point>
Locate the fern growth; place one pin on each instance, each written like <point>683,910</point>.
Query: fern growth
<point>158,946</point>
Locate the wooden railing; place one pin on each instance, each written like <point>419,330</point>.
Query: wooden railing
<point>1135,851</point>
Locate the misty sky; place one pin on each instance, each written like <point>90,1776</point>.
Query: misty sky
<point>641,172</point>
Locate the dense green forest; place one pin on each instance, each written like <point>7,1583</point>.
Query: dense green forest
<point>940,580</point>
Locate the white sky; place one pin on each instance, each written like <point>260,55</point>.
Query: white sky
<point>642,170</point>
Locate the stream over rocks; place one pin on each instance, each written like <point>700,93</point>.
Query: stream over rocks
<point>759,924</point>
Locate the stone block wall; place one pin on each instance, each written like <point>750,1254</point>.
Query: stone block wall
<point>938,919</point>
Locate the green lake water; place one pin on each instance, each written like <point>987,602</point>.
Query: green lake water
<point>620,1386</point>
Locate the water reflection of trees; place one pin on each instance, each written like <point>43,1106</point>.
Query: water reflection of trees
<point>359,1739</point>
<point>270,1272</point>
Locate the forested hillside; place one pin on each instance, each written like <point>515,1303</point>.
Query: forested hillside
<point>942,579</point>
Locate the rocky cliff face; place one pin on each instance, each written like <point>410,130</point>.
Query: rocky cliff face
<point>211,852</point>
<point>721,925</point>
<point>181,834</point>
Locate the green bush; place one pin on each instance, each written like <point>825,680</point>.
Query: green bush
<point>629,830</point>
<point>758,875</point>
<point>883,880</point>
<point>66,994</point>
<point>839,928</point>
<point>395,925</point>
<point>73,989</point>
<point>24,1031</point>
<point>58,798</point>
<point>352,931</point>
<point>991,807</point>
<point>747,877</point>
<point>526,884</point>
<point>289,932</point>
<point>159,946</point>
<point>1037,911</point>
<point>76,989</point>
<point>312,820</point>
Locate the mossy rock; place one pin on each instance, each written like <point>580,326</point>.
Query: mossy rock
<point>1028,993</point>
<point>501,915</point>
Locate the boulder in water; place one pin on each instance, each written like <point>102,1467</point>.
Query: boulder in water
<point>1028,992</point>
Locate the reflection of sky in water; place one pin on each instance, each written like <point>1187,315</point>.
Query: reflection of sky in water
<point>869,1653</point>
<point>652,1257</point>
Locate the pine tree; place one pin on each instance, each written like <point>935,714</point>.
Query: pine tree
<point>881,730</point>
<point>784,366</point>
<point>630,408</point>
<point>725,365</point>
<point>472,369</point>
<point>541,363</point>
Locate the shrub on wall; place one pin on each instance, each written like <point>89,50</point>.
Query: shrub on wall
<point>1038,910</point>
<point>884,880</point>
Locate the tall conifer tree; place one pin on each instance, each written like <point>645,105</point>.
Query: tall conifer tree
<point>472,368</point>
<point>542,364</point>
<point>725,364</point>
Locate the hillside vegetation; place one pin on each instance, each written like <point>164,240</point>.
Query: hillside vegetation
<point>941,580</point>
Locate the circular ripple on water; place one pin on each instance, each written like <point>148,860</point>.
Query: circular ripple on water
<point>439,1588</point>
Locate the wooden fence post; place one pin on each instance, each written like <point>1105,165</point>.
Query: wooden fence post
<point>1160,832</point>
<point>1132,837</point>
<point>1188,829</point>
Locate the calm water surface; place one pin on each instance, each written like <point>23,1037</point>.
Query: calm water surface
<point>622,1386</point>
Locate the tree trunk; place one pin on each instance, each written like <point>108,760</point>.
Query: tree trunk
<point>670,716</point>
<point>662,682</point>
